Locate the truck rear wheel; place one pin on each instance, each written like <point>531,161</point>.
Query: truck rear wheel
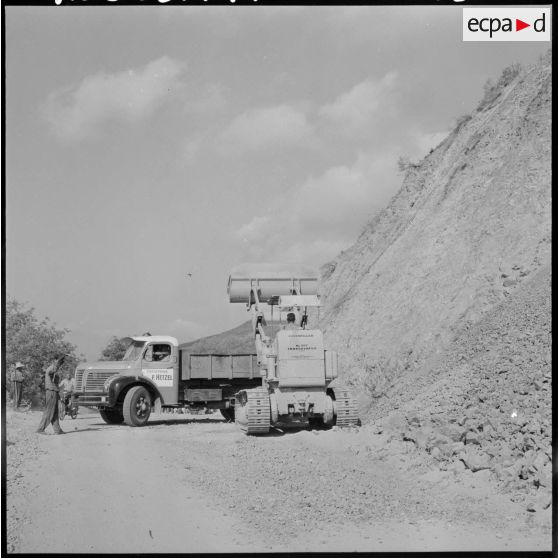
<point>110,416</point>
<point>228,414</point>
<point>137,406</point>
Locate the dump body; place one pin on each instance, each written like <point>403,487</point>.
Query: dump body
<point>215,378</point>
<point>218,367</point>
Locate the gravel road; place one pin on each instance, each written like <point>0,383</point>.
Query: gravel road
<point>193,483</point>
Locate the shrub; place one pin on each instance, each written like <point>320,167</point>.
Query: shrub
<point>493,90</point>
<point>34,343</point>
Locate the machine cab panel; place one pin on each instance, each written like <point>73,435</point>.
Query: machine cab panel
<point>300,357</point>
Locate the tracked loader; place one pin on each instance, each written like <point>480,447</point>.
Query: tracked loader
<point>295,367</point>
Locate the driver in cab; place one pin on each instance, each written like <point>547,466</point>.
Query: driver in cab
<point>161,353</point>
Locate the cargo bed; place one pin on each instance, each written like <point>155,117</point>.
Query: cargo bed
<point>216,366</point>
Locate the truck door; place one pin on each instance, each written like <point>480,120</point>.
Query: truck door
<point>160,364</point>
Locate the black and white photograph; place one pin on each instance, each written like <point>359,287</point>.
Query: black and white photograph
<point>276,278</point>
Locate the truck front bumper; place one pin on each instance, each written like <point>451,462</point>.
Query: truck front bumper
<point>96,399</point>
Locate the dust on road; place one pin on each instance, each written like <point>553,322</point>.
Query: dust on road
<point>195,484</point>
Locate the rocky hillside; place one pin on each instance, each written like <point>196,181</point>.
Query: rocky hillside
<point>441,310</point>
<point>233,341</point>
<point>469,228</point>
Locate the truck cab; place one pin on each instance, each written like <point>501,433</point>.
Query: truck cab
<point>150,363</point>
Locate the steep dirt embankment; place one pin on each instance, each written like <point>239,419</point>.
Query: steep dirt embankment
<point>485,407</point>
<point>441,309</point>
<point>469,226</point>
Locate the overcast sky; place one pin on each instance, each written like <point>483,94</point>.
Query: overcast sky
<point>146,143</point>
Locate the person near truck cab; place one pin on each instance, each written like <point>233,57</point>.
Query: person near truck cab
<point>52,389</point>
<point>67,385</point>
<point>161,353</point>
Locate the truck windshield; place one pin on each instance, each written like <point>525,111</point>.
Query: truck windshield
<point>134,350</point>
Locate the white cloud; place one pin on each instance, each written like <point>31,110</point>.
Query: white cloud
<point>250,230</point>
<point>355,109</point>
<point>355,115</point>
<point>211,99</point>
<point>323,215</point>
<point>277,126</point>
<point>78,111</point>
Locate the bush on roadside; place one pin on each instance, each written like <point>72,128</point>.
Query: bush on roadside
<point>35,343</point>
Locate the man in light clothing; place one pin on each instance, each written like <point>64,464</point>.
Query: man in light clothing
<point>17,384</point>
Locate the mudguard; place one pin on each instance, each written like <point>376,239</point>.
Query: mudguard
<point>119,383</point>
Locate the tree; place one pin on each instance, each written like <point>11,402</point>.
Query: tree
<point>115,349</point>
<point>35,343</point>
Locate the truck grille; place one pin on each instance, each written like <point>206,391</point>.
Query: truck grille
<point>92,380</point>
<point>79,380</point>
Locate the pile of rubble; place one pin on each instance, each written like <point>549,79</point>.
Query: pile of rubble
<point>487,406</point>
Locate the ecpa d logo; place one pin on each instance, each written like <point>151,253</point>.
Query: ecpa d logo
<point>506,24</point>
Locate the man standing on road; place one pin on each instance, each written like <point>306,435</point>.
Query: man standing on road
<point>17,384</point>
<point>52,380</point>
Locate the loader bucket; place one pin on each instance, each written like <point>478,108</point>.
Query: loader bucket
<point>271,280</point>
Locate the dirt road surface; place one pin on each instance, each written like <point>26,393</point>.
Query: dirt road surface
<point>193,483</point>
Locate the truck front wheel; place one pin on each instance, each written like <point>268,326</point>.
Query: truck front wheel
<point>137,406</point>
<point>111,416</point>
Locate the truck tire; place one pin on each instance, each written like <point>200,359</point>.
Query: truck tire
<point>137,406</point>
<point>110,416</point>
<point>228,414</point>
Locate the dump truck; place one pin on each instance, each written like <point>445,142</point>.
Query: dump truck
<point>295,367</point>
<point>155,373</point>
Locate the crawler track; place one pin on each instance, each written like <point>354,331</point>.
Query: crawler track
<point>345,407</point>
<point>252,414</point>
